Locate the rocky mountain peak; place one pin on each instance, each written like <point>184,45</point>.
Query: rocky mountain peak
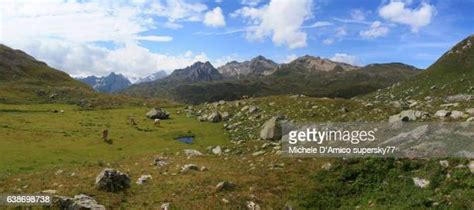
<point>312,63</point>
<point>110,83</point>
<point>199,71</point>
<point>257,66</point>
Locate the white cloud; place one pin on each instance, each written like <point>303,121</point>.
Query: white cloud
<point>318,24</point>
<point>328,41</point>
<point>68,35</point>
<point>131,60</point>
<point>178,10</point>
<point>214,18</point>
<point>279,19</point>
<point>375,30</point>
<point>357,15</point>
<point>155,38</point>
<point>252,3</point>
<point>344,58</point>
<point>398,12</point>
<point>72,21</point>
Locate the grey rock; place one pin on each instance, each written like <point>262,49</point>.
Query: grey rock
<point>272,129</point>
<point>420,182</point>
<point>470,111</point>
<point>326,166</point>
<point>157,113</point>
<point>225,185</point>
<point>414,134</point>
<point>253,109</point>
<point>252,206</point>
<point>217,150</point>
<point>460,98</point>
<point>442,113</point>
<point>258,153</point>
<point>444,163</point>
<point>225,116</point>
<point>189,167</point>
<point>214,117</point>
<point>79,202</point>
<point>457,115</point>
<point>408,115</point>
<point>160,161</point>
<point>143,179</point>
<point>165,206</point>
<point>111,180</point>
<point>192,152</point>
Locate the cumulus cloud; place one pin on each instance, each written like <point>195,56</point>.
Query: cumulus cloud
<point>131,60</point>
<point>398,12</point>
<point>344,58</point>
<point>68,35</point>
<point>279,19</point>
<point>214,18</point>
<point>375,30</point>
<point>73,21</point>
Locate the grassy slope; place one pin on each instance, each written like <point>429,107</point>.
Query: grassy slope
<point>452,74</point>
<point>55,139</point>
<point>35,143</point>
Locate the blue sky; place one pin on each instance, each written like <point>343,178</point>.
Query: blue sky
<point>137,38</point>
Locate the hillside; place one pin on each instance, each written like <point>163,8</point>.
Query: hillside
<point>25,79</point>
<point>452,74</point>
<point>108,84</point>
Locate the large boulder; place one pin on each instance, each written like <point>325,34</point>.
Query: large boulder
<point>79,202</point>
<point>157,113</point>
<point>460,98</point>
<point>214,117</point>
<point>272,129</point>
<point>111,180</point>
<point>408,115</point>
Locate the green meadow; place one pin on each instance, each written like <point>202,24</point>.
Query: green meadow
<point>35,137</point>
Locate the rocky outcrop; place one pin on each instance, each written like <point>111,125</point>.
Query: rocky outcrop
<point>408,116</point>
<point>78,202</point>
<point>214,117</point>
<point>157,113</point>
<point>111,180</point>
<point>272,129</point>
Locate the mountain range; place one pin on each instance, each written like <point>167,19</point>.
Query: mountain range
<point>258,66</point>
<point>108,84</point>
<point>153,77</point>
<point>25,79</point>
<point>312,76</point>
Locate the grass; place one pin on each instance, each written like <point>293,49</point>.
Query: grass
<point>33,137</point>
<point>36,143</point>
